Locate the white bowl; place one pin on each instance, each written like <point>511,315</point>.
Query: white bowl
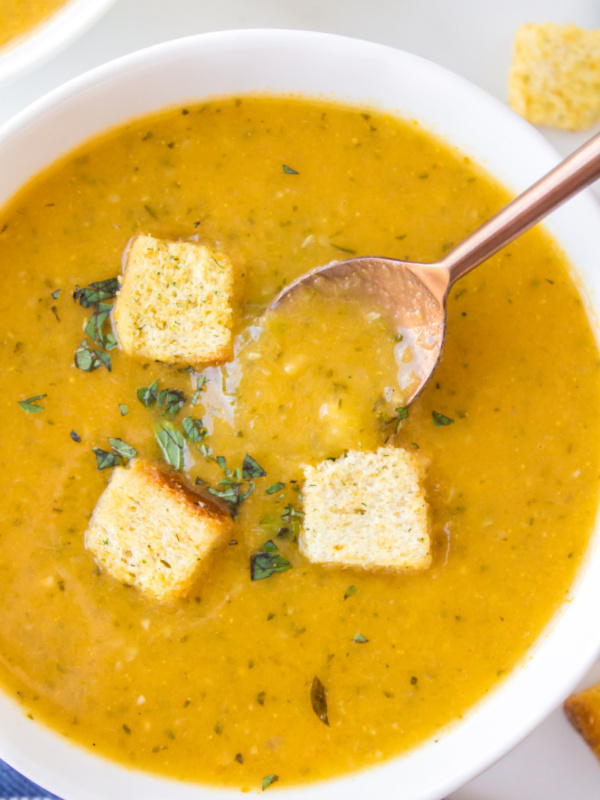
<point>330,67</point>
<point>49,37</point>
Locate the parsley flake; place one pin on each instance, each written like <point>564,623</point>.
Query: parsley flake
<point>147,394</point>
<point>75,436</point>
<point>194,429</point>
<point>360,639</point>
<point>29,406</point>
<point>268,781</point>
<point>96,292</point>
<point>104,459</point>
<point>289,170</point>
<point>275,487</point>
<point>123,409</point>
<point>171,443</point>
<point>265,564</point>
<point>251,468</point>
<point>122,449</point>
<point>350,591</point>
<point>170,401</point>
<point>318,700</point>
<point>441,419</point>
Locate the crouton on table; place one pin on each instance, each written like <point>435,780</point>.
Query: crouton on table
<point>152,532</point>
<point>366,510</point>
<point>583,712</point>
<point>555,75</point>
<point>174,304</point>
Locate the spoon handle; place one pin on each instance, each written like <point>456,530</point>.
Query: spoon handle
<point>571,176</point>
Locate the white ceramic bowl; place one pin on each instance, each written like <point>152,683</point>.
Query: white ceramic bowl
<point>49,37</point>
<point>353,71</point>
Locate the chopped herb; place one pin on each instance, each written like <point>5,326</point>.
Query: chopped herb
<point>29,406</point>
<point>239,758</point>
<point>171,443</point>
<point>260,697</point>
<point>440,419</point>
<point>360,639</point>
<point>87,359</point>
<point>95,324</point>
<point>194,429</point>
<point>122,449</point>
<point>292,516</point>
<point>123,409</point>
<point>402,412</point>
<point>147,394</point>
<point>105,359</point>
<point>344,249</point>
<point>318,699</point>
<point>263,565</point>
<point>414,680</point>
<point>270,546</point>
<point>251,468</point>
<point>75,436</point>
<point>270,779</point>
<point>200,384</point>
<point>56,294</point>
<point>275,487</point>
<point>170,401</point>
<point>96,292</point>
<point>415,445</point>
<point>289,170</point>
<point>221,462</point>
<point>104,459</point>
<point>350,591</point>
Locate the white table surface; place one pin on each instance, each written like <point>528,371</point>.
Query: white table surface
<point>471,37</point>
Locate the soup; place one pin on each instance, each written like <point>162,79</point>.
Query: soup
<point>19,17</point>
<point>216,688</point>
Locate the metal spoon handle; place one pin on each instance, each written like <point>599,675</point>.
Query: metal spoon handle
<point>571,176</point>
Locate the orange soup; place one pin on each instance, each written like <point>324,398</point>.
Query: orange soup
<point>216,688</point>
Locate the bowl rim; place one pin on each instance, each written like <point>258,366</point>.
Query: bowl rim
<point>525,688</point>
<point>47,38</point>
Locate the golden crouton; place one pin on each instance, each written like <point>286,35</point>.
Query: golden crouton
<point>583,712</point>
<point>366,510</point>
<point>150,531</point>
<point>174,304</point>
<point>555,75</point>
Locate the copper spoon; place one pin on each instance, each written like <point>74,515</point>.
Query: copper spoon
<point>413,295</point>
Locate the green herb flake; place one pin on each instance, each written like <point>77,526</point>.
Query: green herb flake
<point>75,436</point>
<point>289,170</point>
<point>56,294</point>
<point>318,700</point>
<point>96,292</point>
<point>440,420</point>
<point>122,449</point>
<point>251,468</point>
<point>87,359</point>
<point>95,325</point>
<point>194,429</point>
<point>171,443</point>
<point>147,394</point>
<point>263,565</point>
<point>200,384</point>
<point>402,412</point>
<point>275,487</point>
<point>360,639</point>
<point>170,401</point>
<point>268,781</point>
<point>350,591</point>
<point>104,459</point>
<point>123,409</point>
<point>29,406</point>
<point>269,546</point>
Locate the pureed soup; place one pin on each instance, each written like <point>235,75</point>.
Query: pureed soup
<point>217,687</point>
<point>20,17</point>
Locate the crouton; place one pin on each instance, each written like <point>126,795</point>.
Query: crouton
<point>174,304</point>
<point>583,712</point>
<point>366,510</point>
<point>555,75</point>
<point>151,531</point>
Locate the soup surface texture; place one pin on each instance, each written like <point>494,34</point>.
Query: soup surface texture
<point>217,688</point>
<point>18,17</point>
